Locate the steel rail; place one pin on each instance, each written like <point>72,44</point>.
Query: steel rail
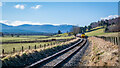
<point>50,58</point>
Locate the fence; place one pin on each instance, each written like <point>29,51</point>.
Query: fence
<point>115,40</point>
<point>35,46</point>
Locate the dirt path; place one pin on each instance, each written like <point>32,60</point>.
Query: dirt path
<point>100,53</point>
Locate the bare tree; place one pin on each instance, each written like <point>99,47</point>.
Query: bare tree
<point>75,30</point>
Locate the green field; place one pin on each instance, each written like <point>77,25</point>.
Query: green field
<point>8,48</point>
<point>100,32</point>
<point>21,38</point>
<point>30,38</point>
<point>18,46</point>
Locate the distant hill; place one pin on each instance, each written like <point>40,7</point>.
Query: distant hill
<point>27,28</point>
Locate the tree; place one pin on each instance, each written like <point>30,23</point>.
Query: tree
<point>69,34</point>
<point>12,35</point>
<point>75,30</point>
<point>2,35</point>
<point>85,28</point>
<point>18,35</point>
<point>106,29</point>
<point>113,23</point>
<point>89,28</point>
<point>59,32</point>
<point>107,23</point>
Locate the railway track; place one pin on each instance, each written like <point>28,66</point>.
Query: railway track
<point>59,59</point>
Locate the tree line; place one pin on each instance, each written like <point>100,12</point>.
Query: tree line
<point>105,23</point>
<point>76,29</point>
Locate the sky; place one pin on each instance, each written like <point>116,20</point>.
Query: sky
<point>59,0</point>
<point>56,13</point>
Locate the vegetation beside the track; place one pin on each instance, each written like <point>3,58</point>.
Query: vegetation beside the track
<point>101,53</point>
<point>8,48</point>
<point>30,56</point>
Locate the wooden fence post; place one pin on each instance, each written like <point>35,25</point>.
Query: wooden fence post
<point>48,44</point>
<point>107,38</point>
<point>110,39</point>
<point>101,37</point>
<point>22,48</point>
<point>29,47</point>
<point>40,45</point>
<point>51,43</point>
<point>44,46</point>
<point>119,39</point>
<point>2,51</point>
<point>114,40</point>
<point>104,38</point>
<point>13,50</point>
<point>35,46</point>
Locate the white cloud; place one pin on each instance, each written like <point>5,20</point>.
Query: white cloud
<point>0,4</point>
<point>36,7</point>
<point>18,6</point>
<point>17,23</point>
<point>109,17</point>
<point>4,22</point>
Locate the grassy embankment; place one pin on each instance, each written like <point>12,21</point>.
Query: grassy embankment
<point>101,52</point>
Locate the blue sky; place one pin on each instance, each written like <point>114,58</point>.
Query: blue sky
<point>76,13</point>
<point>59,0</point>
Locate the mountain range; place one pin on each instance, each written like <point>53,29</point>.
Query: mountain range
<point>27,28</point>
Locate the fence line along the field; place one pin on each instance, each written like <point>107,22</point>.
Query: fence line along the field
<point>22,48</point>
<point>40,46</point>
<point>115,40</point>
